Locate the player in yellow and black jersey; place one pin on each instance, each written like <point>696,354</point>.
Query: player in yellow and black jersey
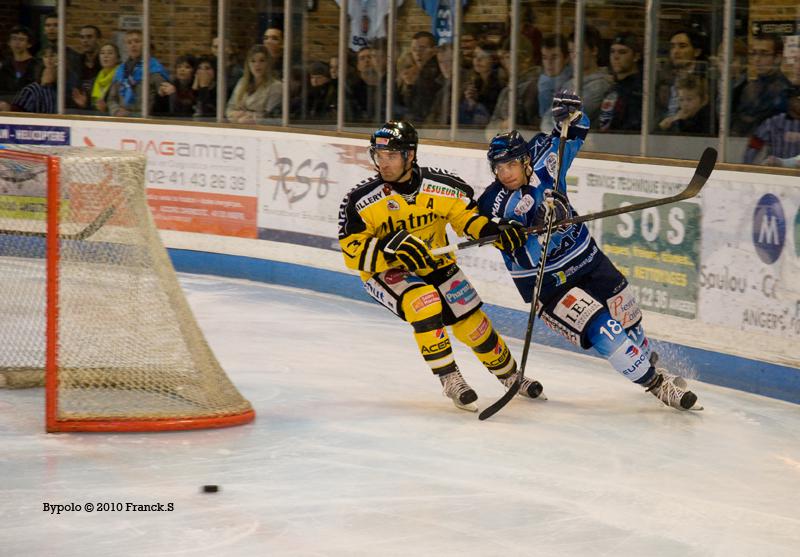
<point>387,226</point>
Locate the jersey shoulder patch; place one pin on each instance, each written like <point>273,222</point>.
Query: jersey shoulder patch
<point>437,181</point>
<point>349,220</point>
<point>366,193</point>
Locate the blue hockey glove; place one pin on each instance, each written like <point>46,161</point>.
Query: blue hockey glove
<point>565,104</point>
<point>511,235</point>
<point>408,249</point>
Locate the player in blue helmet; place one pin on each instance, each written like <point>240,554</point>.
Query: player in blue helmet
<point>583,296</point>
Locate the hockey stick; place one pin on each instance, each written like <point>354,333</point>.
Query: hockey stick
<point>704,168</point>
<point>549,221</point>
<point>90,229</point>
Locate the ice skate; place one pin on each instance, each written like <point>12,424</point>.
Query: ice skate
<point>456,389</point>
<point>673,391</point>
<point>530,388</point>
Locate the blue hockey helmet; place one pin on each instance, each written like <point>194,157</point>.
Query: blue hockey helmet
<point>506,147</point>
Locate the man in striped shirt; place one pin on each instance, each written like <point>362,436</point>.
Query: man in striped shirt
<point>39,96</point>
<point>780,134</point>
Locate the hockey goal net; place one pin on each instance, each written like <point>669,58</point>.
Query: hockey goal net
<point>90,303</point>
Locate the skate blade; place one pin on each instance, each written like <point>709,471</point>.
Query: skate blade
<point>471,407</point>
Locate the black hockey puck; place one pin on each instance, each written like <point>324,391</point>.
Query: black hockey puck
<point>210,488</point>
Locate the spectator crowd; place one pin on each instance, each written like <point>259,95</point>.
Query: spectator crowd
<point>764,101</point>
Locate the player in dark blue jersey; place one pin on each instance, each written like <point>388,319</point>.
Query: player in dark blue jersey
<point>583,296</point>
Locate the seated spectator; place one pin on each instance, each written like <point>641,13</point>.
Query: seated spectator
<point>556,71</point>
<point>233,66</point>
<point>273,44</point>
<point>469,42</point>
<point>39,96</point>
<point>50,27</point>
<point>481,88</point>
<point>596,80</point>
<point>793,71</point>
<point>738,73</point>
<point>527,94</point>
<point>176,97</point>
<point>687,54</point>
<point>322,93</point>
<point>20,68</point>
<point>205,88</point>
<point>621,109</point>
<point>427,77</point>
<point>405,95</point>
<point>334,66</point>
<point>125,95</point>
<point>88,61</point>
<point>366,89</point>
<point>694,110</point>
<point>440,107</point>
<point>97,97</point>
<point>258,94</point>
<point>765,96</point>
<point>780,135</point>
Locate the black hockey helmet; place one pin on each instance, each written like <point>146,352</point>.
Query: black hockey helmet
<point>394,135</point>
<point>506,147</point>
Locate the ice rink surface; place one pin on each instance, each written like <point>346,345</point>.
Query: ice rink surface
<point>355,452</point>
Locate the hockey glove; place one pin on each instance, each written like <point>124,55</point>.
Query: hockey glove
<point>511,235</point>
<point>408,250</point>
<point>565,104</point>
<point>560,206</point>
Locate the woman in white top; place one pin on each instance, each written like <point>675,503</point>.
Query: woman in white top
<point>257,94</point>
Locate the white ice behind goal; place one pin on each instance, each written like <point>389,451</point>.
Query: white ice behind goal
<point>90,303</point>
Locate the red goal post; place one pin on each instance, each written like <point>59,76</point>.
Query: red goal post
<point>92,307</point>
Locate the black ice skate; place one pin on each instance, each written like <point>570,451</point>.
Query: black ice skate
<point>530,388</point>
<point>456,389</point>
<point>671,389</point>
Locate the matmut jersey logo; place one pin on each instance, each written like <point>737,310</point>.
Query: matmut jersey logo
<point>441,190</point>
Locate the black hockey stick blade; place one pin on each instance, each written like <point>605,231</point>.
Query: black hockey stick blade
<point>90,229</point>
<point>503,400</point>
<point>701,174</point>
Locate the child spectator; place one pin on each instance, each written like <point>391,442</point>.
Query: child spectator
<point>687,53</point>
<point>205,88</point>
<point>780,134</point>
<point>258,94</point>
<point>176,97</point>
<point>98,94</point>
<point>322,94</point>
<point>694,110</point>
